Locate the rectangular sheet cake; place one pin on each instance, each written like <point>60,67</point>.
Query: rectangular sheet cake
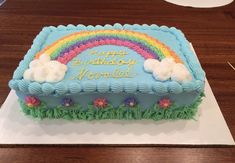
<point>109,72</point>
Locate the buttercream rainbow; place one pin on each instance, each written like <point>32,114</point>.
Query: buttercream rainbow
<point>68,47</point>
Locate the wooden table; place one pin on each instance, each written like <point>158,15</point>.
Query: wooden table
<point>212,32</point>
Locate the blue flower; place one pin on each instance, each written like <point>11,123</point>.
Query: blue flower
<point>67,102</point>
<point>130,101</point>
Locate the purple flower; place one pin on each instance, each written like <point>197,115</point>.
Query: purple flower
<point>67,102</point>
<point>130,101</point>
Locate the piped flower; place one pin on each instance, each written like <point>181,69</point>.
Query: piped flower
<point>164,103</point>
<point>67,102</point>
<point>100,102</point>
<point>130,102</point>
<point>32,101</point>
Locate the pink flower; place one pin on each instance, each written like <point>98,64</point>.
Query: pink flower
<point>31,101</point>
<point>164,103</point>
<point>100,102</point>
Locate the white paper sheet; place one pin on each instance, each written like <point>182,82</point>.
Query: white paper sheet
<point>200,3</point>
<point>209,128</point>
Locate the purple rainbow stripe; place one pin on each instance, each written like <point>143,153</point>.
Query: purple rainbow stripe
<point>69,53</point>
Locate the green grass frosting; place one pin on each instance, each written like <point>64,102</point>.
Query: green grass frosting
<point>76,112</point>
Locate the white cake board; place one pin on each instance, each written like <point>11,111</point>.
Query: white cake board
<point>210,128</point>
<point>200,3</point>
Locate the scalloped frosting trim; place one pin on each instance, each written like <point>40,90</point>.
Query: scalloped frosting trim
<point>60,88</point>
<point>157,87</point>
<point>122,112</point>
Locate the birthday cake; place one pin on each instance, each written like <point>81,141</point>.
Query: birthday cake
<point>109,72</point>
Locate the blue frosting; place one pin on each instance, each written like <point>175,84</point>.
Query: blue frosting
<point>23,85</point>
<point>89,86</point>
<point>108,26</point>
<point>117,87</point>
<point>188,86</point>
<point>61,88</point>
<point>199,85</point>
<point>174,87</point>
<point>130,87</point>
<point>103,86</point>
<point>170,36</point>
<point>61,28</point>
<point>116,99</point>
<point>75,87</point>
<point>35,88</point>
<point>81,27</point>
<point>117,26</point>
<point>13,84</point>
<point>18,73</point>
<point>48,88</point>
<point>71,27</point>
<point>144,87</point>
<point>127,26</point>
<point>159,88</point>
<point>154,27</point>
<point>90,27</point>
<point>99,27</point>
<point>52,28</point>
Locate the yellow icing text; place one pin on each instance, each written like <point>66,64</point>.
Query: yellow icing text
<point>116,73</point>
<point>105,61</point>
<point>113,53</point>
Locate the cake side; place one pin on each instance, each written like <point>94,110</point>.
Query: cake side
<point>143,92</point>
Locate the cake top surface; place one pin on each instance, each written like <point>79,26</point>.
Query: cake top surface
<point>129,58</point>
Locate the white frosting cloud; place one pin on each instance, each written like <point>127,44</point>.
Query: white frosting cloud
<point>180,73</point>
<point>45,70</point>
<point>149,64</point>
<point>167,69</point>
